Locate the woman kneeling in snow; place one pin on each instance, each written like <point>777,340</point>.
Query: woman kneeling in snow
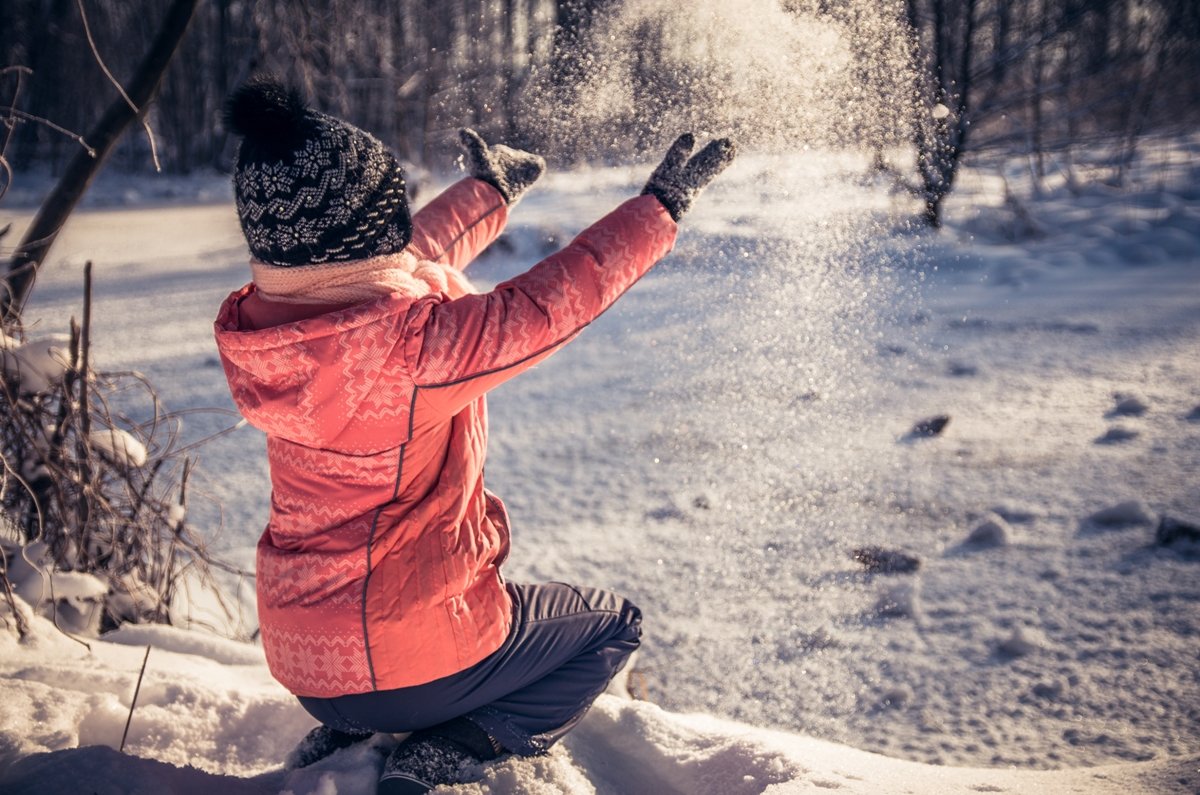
<point>364,354</point>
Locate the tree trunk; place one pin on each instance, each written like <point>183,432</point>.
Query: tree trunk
<point>941,144</point>
<point>85,165</point>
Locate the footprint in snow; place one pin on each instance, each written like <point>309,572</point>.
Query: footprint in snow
<point>1117,434</point>
<point>1128,404</point>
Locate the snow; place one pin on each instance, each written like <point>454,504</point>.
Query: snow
<point>209,716</point>
<point>38,363</point>
<point>119,446</point>
<point>715,447</point>
<point>1129,512</point>
<point>73,599</point>
<point>993,531</point>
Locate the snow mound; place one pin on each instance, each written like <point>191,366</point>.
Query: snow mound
<point>621,748</point>
<point>37,364</point>
<point>200,727</point>
<point>902,600</point>
<point>993,531</point>
<point>119,446</point>
<point>1021,643</point>
<point>182,641</point>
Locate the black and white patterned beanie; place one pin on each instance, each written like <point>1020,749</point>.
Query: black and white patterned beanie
<point>311,188</point>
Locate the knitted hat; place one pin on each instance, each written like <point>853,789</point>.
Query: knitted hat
<point>311,188</point>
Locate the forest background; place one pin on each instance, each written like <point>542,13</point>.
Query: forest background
<point>1028,75</point>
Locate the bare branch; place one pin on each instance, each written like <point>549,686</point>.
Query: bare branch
<point>76,137</point>
<point>87,30</point>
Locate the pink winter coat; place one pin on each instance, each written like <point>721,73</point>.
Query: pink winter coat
<point>380,564</point>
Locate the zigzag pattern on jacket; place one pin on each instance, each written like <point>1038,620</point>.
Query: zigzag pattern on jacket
<point>373,394</point>
<point>321,581</point>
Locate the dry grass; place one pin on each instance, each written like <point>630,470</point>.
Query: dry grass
<point>104,493</point>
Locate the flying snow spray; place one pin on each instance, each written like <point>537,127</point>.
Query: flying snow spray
<point>758,419</point>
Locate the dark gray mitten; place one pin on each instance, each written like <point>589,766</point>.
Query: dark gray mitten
<point>510,171</point>
<point>679,179</point>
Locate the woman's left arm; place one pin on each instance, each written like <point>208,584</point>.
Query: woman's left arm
<point>459,349</point>
<point>470,214</point>
<point>461,222</point>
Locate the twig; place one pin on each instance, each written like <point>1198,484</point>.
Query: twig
<point>137,111</point>
<point>83,505</point>
<point>7,180</point>
<point>22,626</point>
<point>9,472</point>
<point>137,689</point>
<point>166,588</point>
<point>140,497</point>
<point>21,72</point>
<point>85,344</point>
<point>241,423</point>
<point>49,578</point>
<point>76,137</point>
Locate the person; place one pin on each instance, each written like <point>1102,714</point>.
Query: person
<point>364,354</point>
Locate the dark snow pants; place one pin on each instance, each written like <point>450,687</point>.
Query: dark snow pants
<point>565,646</point>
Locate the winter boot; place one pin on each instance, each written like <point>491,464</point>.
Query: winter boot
<point>436,756</point>
<point>320,743</point>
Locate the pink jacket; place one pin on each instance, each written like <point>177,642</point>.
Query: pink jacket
<point>380,564</point>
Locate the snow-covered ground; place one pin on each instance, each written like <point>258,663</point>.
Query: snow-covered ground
<point>210,718</point>
<point>715,447</point>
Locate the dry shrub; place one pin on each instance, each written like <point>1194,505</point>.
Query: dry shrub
<point>86,489</point>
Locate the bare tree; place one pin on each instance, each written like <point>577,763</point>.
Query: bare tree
<point>946,41</point>
<point>57,207</point>
<point>1027,75</point>
<point>1039,76</point>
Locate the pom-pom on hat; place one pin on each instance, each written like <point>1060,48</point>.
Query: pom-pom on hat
<point>311,188</point>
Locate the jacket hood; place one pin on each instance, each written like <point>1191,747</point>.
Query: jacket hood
<point>319,380</point>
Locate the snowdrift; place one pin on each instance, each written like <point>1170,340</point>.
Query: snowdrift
<point>210,718</point>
